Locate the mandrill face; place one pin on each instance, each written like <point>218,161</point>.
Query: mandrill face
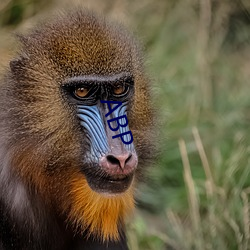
<point>77,120</point>
<point>110,163</point>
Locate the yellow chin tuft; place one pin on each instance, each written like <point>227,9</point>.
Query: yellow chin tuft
<point>99,213</point>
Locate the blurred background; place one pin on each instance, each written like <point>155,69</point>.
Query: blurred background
<point>196,194</point>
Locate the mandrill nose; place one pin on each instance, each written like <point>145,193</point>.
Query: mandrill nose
<point>124,163</point>
<point>119,160</point>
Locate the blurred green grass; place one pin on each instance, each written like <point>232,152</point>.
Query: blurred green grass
<point>197,192</point>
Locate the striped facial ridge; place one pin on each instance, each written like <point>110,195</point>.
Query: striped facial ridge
<point>91,120</point>
<point>121,111</point>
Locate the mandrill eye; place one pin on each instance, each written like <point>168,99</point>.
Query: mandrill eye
<point>119,89</point>
<point>81,92</point>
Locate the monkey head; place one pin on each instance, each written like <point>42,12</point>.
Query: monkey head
<point>54,128</point>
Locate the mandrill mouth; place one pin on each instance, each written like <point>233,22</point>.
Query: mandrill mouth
<point>104,183</point>
<point>113,174</point>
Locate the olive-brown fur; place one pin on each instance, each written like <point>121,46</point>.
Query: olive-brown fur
<point>41,142</point>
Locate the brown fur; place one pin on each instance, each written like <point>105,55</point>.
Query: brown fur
<point>40,136</point>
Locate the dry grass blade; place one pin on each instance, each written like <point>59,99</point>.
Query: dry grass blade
<point>246,220</point>
<point>204,159</point>
<point>192,197</point>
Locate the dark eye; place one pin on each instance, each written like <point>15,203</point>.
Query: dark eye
<point>81,92</point>
<point>119,89</point>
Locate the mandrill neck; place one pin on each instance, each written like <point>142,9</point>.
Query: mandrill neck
<point>27,224</point>
<point>15,236</point>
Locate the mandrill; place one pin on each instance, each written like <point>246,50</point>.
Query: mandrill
<point>67,179</point>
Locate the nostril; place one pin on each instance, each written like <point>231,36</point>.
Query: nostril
<point>113,160</point>
<point>123,163</point>
<point>127,160</point>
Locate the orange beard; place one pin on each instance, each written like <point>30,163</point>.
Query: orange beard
<point>96,212</point>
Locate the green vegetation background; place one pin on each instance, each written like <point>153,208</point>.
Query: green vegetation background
<point>196,195</point>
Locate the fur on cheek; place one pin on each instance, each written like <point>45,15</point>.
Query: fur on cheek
<point>98,213</point>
